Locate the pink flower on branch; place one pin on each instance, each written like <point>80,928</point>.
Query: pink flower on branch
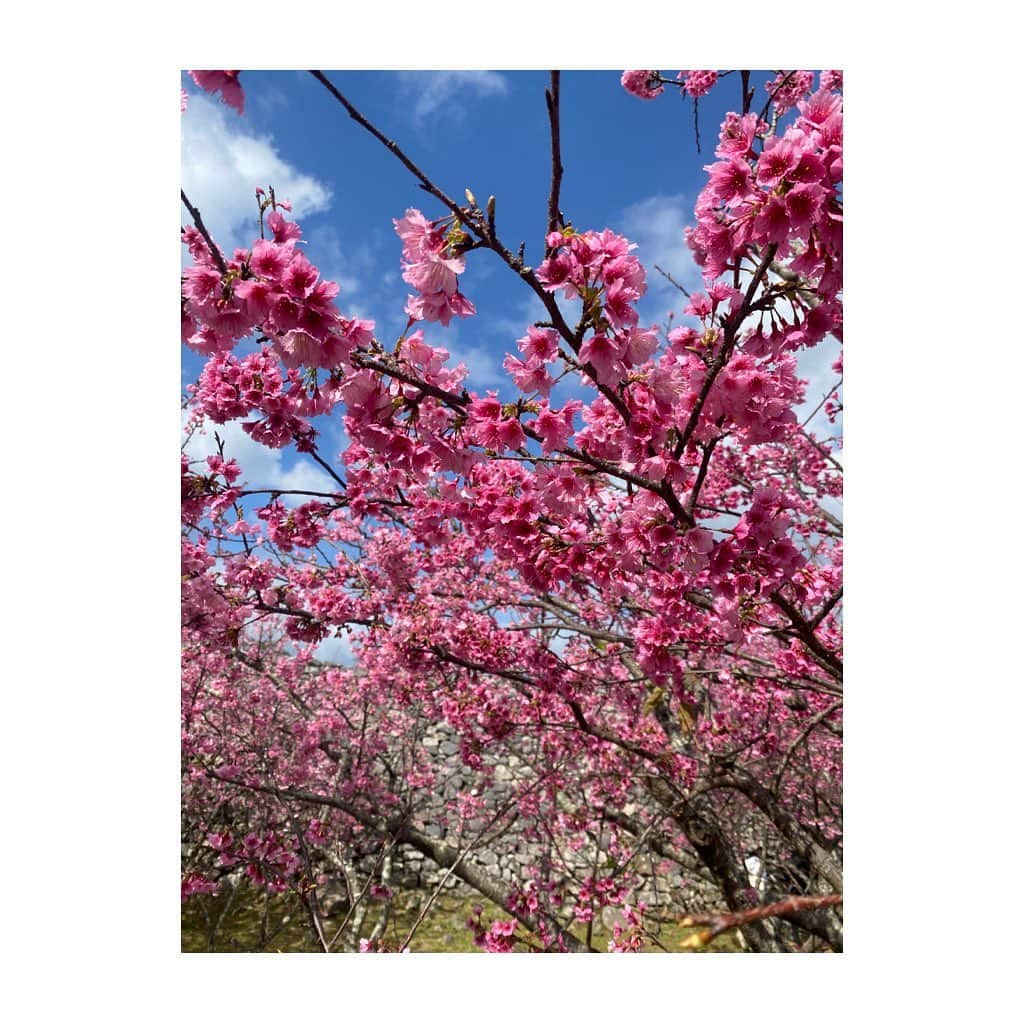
<point>697,83</point>
<point>490,428</point>
<point>224,82</point>
<point>431,264</point>
<point>642,83</point>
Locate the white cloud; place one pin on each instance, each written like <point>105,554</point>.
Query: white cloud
<point>261,467</point>
<point>484,365</point>
<point>335,650</point>
<point>815,366</point>
<point>222,164</point>
<point>447,91</point>
<point>656,225</point>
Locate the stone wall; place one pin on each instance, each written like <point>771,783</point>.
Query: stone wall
<point>510,853</point>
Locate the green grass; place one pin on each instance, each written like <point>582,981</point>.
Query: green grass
<point>282,924</point>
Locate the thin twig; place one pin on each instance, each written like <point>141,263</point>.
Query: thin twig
<point>425,182</point>
<point>835,387</point>
<point>495,818</point>
<point>671,279</point>
<point>804,733</point>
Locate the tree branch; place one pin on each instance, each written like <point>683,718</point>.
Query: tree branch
<point>725,922</point>
<point>551,96</point>
<point>201,228</point>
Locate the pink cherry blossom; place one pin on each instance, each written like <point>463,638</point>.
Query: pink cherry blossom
<point>642,83</point>
<point>224,82</point>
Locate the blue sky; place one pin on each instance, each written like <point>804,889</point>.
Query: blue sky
<point>630,165</point>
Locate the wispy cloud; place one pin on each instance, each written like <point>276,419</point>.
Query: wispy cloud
<point>261,467</point>
<point>656,225</point>
<point>446,92</point>
<point>337,650</point>
<point>815,366</point>
<point>221,166</point>
<point>483,361</point>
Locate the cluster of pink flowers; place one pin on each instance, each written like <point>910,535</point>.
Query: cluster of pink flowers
<point>540,347</point>
<point>831,80</point>
<point>230,389</point>
<point>273,288</point>
<point>498,938</point>
<point>644,84</point>
<point>431,264</point>
<point>302,526</point>
<point>762,535</point>
<point>789,87</point>
<point>555,426</point>
<point>786,197</point>
<point>194,884</point>
<point>266,860</point>
<point>224,82</point>
<point>597,893</point>
<point>628,934</point>
<point>205,494</point>
<point>754,397</point>
<point>599,268</point>
<point>697,83</point>
<point>489,427</point>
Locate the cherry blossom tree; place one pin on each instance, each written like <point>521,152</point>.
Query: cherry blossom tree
<point>625,608</point>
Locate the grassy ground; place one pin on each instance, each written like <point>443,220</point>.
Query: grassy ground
<point>251,922</point>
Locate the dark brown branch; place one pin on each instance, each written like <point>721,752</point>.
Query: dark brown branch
<point>551,97</point>
<point>337,479</point>
<point>449,398</point>
<point>702,473</point>
<point>731,330</point>
<point>825,609</point>
<point>804,630</point>
<point>426,184</point>
<point>607,737</point>
<point>748,93</point>
<point>201,228</point>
